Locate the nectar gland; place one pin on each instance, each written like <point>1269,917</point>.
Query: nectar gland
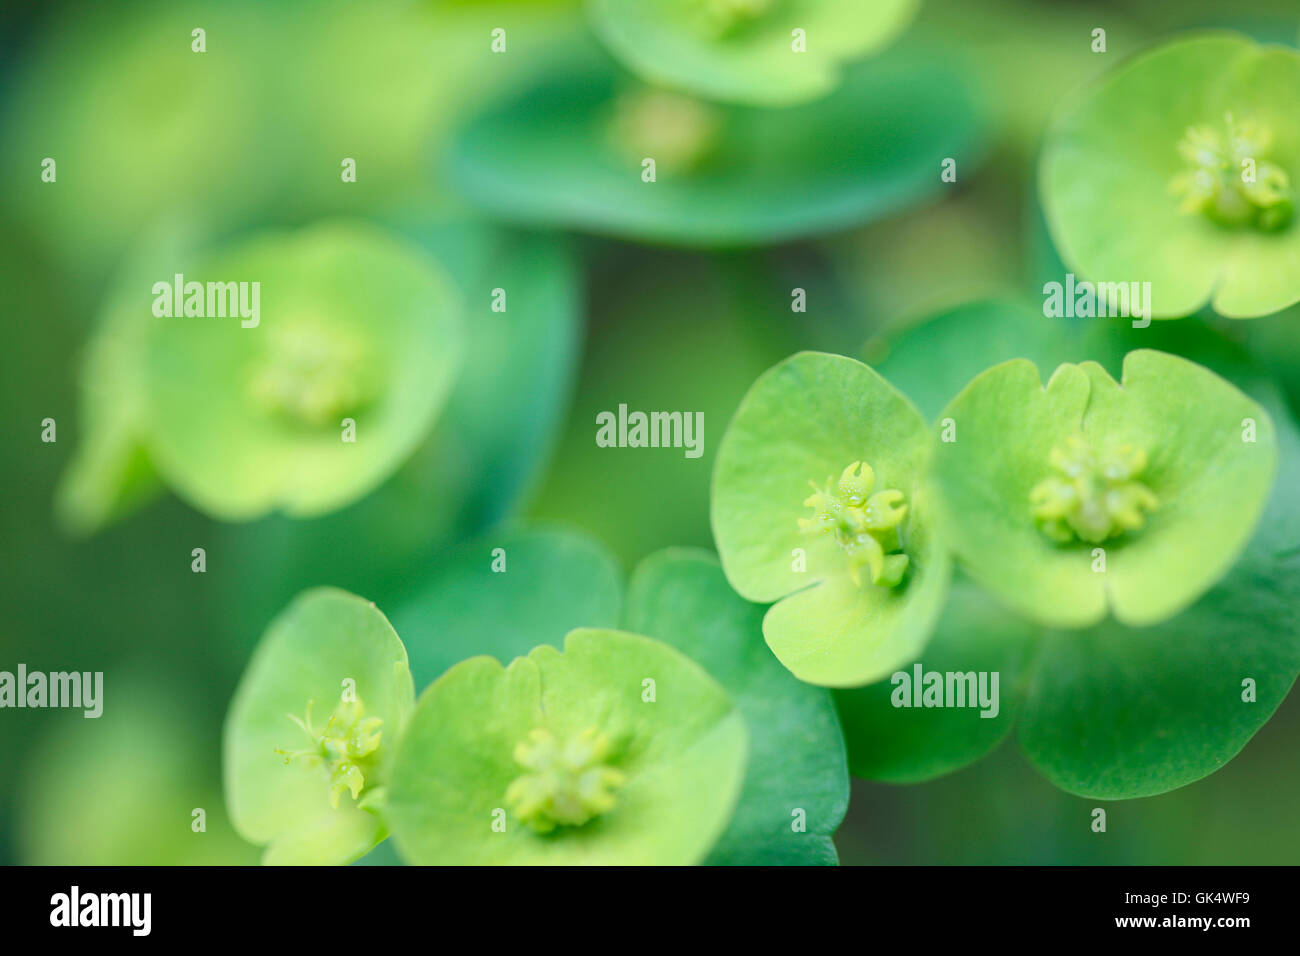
<point>865,525</point>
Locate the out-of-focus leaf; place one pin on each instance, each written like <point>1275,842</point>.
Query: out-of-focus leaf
<point>570,150</point>
<point>504,594</point>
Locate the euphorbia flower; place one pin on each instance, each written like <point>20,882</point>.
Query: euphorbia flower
<point>315,794</point>
<point>1112,711</point>
<point>1181,169</point>
<point>1088,497</point>
<point>855,567</point>
<point>796,783</point>
<point>618,750</point>
<point>304,409</point>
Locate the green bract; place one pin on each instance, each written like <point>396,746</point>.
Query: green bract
<point>110,473</point>
<point>1181,169</point>
<point>356,335</point>
<point>617,751</point>
<point>574,150</point>
<point>355,325</point>
<point>856,567</point>
<point>1088,496</point>
<point>765,52</point>
<point>311,731</point>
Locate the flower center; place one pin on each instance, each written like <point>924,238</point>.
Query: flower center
<point>567,782</point>
<point>865,525</point>
<point>346,747</point>
<point>724,15</point>
<point>678,132</point>
<point>1094,496</point>
<point>311,375</point>
<point>1230,179</point>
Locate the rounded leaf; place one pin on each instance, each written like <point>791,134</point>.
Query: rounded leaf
<point>895,733</point>
<point>1116,712</point>
<point>575,151</point>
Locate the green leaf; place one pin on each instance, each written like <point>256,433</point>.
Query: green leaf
<point>1111,168</point>
<point>354,325</point>
<point>549,581</point>
<point>681,758</point>
<point>803,420</point>
<point>1209,483</point>
<point>745,52</point>
<point>110,473</point>
<point>796,761</point>
<point>889,738</point>
<point>325,639</point>
<point>932,360</point>
<point>1114,712</point>
<point>497,431</point>
<point>570,150</point>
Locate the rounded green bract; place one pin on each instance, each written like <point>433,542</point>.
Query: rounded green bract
<point>320,396</point>
<point>803,420</point>
<point>310,789</point>
<point>618,750</point>
<point>1088,497</point>
<point>1195,148</point>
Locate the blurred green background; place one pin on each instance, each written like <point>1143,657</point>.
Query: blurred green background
<point>144,142</point>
